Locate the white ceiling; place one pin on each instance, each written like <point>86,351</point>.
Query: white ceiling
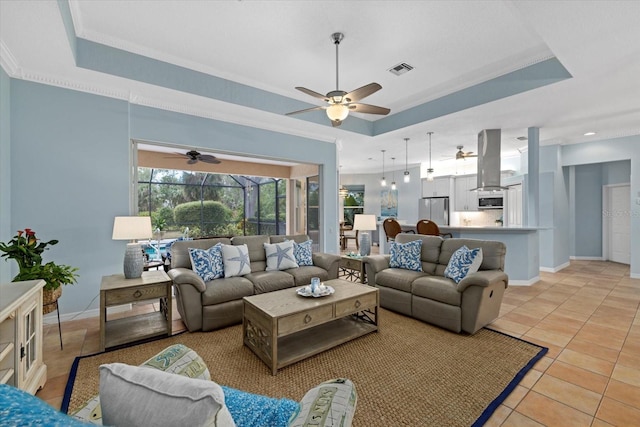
<point>277,45</point>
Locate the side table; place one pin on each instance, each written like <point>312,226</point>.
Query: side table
<point>116,290</point>
<point>352,268</point>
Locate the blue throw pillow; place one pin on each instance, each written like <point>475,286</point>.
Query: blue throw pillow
<point>464,261</point>
<point>302,252</point>
<point>272,413</point>
<point>207,263</point>
<point>406,255</point>
<point>19,408</point>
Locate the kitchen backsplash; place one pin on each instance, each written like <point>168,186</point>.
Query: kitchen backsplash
<point>479,219</point>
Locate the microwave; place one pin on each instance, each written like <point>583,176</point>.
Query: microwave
<point>490,202</point>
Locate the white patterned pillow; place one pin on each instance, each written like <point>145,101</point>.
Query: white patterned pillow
<point>332,403</point>
<point>406,255</point>
<point>207,263</point>
<point>236,260</point>
<point>280,256</point>
<point>302,252</point>
<point>464,261</point>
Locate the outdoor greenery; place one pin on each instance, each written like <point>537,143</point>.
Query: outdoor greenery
<point>211,204</point>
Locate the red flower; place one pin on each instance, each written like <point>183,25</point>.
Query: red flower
<point>20,233</point>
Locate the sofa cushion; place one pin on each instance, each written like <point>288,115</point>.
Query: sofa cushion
<point>228,289</point>
<point>398,278</point>
<point>280,256</point>
<point>255,244</point>
<point>136,396</point>
<point>437,288</point>
<point>303,275</point>
<point>236,260</point>
<point>207,263</point>
<point>268,281</point>
<point>464,261</point>
<point>303,253</point>
<point>180,250</point>
<point>430,253</point>
<point>406,255</point>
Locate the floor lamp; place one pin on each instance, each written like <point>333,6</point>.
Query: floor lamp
<point>363,224</point>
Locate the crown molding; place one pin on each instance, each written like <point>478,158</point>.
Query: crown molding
<point>8,61</point>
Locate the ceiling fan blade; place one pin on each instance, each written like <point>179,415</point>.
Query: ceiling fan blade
<point>192,161</point>
<point>312,93</point>
<point>369,109</point>
<point>363,92</point>
<point>207,158</point>
<point>306,110</point>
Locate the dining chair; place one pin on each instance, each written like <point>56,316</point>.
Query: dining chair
<point>430,228</point>
<point>392,228</point>
<point>346,233</point>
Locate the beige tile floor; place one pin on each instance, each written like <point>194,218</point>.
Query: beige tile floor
<point>587,315</point>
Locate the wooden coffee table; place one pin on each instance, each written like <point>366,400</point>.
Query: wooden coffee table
<point>282,327</point>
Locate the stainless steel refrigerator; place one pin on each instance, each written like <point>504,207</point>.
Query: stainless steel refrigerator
<point>434,208</point>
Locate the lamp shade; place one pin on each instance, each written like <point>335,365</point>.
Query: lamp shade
<point>364,222</point>
<point>132,228</point>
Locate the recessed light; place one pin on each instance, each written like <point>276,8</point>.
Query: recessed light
<point>589,133</point>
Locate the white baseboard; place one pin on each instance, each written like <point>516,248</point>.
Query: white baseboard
<point>52,318</point>
<point>524,282</point>
<point>587,258</point>
<point>554,269</point>
<point>634,275</point>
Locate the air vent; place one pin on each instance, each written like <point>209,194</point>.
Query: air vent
<point>400,69</point>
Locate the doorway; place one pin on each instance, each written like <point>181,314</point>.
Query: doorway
<point>617,223</point>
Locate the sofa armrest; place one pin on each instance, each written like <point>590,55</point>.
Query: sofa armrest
<point>327,261</point>
<point>184,276</point>
<point>376,263</point>
<point>484,278</point>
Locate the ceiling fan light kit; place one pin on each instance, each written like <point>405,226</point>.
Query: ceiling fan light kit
<point>341,102</point>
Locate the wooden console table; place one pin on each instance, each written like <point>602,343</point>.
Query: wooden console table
<point>116,290</point>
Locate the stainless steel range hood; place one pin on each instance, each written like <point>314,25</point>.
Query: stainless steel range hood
<point>489,160</point>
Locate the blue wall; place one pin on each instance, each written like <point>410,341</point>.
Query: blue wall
<point>588,219</point>
<point>5,169</point>
<point>71,162</point>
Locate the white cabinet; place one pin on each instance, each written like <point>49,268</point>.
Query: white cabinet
<point>21,363</point>
<point>439,187</point>
<point>514,205</point>
<point>465,199</point>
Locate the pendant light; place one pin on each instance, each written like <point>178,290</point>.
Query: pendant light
<point>383,181</point>
<point>393,182</point>
<point>407,175</point>
<point>430,169</point>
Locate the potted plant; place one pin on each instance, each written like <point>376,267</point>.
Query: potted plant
<point>27,251</point>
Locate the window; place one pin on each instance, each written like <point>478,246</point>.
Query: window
<point>353,203</point>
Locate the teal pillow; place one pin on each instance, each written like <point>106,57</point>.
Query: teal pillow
<point>406,255</point>
<point>19,408</point>
<point>463,262</point>
<point>303,253</point>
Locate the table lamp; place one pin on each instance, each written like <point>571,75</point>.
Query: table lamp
<point>363,224</point>
<point>132,228</point>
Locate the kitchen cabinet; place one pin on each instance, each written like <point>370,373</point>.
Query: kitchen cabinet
<point>465,199</point>
<point>439,187</point>
<point>21,362</point>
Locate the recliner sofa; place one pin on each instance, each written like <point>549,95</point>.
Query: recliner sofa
<point>429,296</point>
<point>218,303</point>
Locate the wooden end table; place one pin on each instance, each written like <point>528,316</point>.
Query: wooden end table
<point>116,290</point>
<point>352,268</point>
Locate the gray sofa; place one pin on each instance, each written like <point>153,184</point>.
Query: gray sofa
<point>218,303</point>
<point>429,296</point>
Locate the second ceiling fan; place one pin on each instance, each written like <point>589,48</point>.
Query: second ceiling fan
<point>339,102</point>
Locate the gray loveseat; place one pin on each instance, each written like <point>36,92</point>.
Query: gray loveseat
<point>431,297</point>
<point>218,303</point>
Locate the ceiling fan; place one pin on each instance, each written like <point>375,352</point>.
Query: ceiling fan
<point>339,102</point>
<point>194,157</point>
<point>462,155</point>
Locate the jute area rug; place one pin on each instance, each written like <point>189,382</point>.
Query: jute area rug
<point>407,374</point>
